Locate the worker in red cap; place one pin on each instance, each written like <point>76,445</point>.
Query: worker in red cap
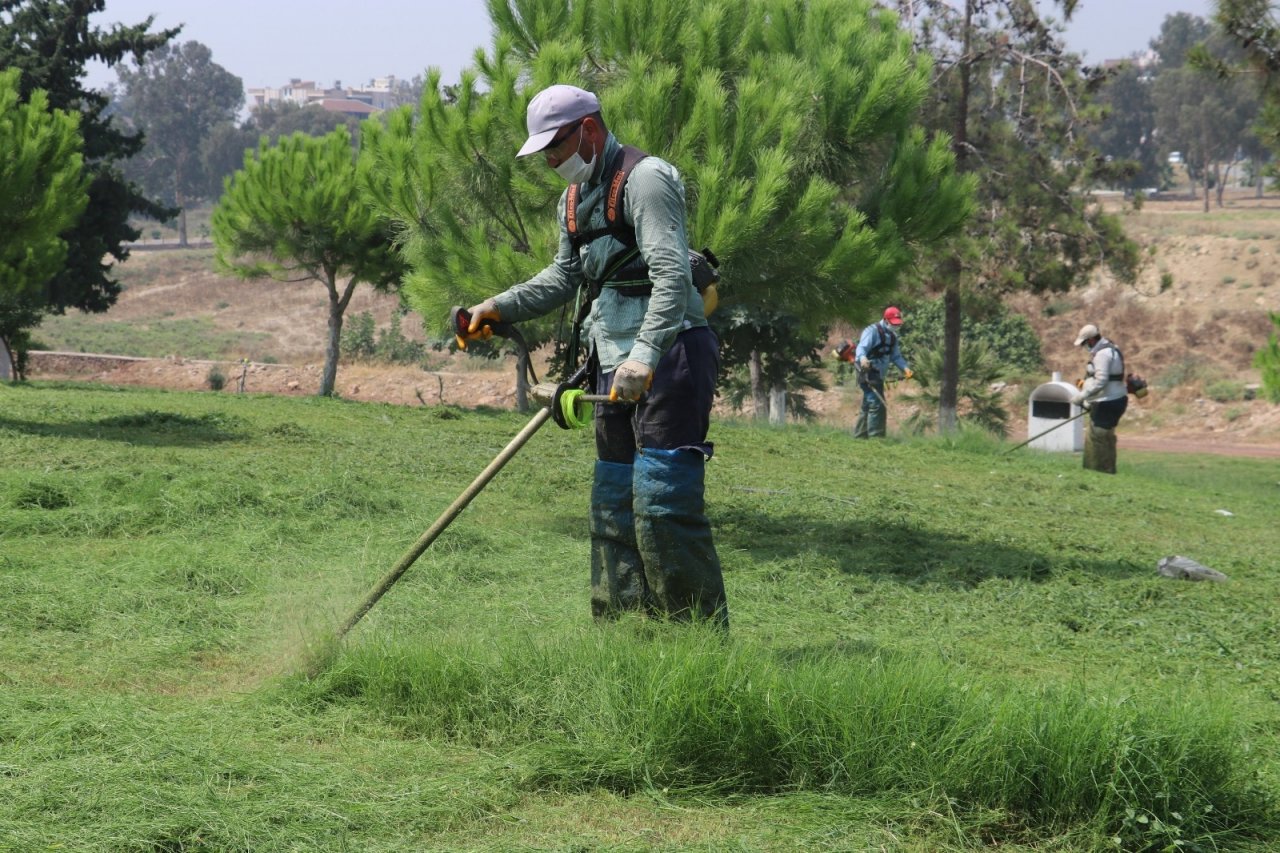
<point>878,347</point>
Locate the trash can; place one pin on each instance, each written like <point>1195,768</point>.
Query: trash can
<point>1049,407</point>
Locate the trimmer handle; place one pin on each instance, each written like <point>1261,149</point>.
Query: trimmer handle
<point>461,319</point>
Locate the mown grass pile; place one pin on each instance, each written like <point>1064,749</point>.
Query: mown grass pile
<point>934,645</point>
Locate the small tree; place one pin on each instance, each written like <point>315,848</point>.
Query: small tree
<point>294,213</point>
<point>43,191</point>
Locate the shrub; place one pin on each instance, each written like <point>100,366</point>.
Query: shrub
<point>1224,391</point>
<point>395,348</point>
<point>1189,369</point>
<point>1014,345</point>
<point>216,379</point>
<point>978,404</point>
<point>357,336</point>
<point>1267,360</point>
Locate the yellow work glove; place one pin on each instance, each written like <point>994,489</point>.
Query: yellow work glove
<point>487,310</point>
<point>630,380</point>
<point>710,299</point>
<point>1080,384</point>
<point>908,373</point>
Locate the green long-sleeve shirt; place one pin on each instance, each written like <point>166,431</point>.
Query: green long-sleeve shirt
<point>622,327</point>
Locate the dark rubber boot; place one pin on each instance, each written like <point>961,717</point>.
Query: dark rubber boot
<point>617,573</point>
<point>1100,449</point>
<point>674,536</point>
<point>876,417</point>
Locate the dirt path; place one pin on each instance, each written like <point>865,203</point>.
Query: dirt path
<point>412,386</point>
<point>1212,445</point>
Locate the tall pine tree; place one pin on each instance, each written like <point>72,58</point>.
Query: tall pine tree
<point>42,193</point>
<point>792,122</point>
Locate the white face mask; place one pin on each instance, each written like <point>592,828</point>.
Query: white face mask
<point>575,170</point>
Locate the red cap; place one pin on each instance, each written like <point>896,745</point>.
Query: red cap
<point>893,316</point>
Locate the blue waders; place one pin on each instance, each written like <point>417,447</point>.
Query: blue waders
<point>651,544</point>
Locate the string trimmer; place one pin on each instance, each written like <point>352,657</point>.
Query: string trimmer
<point>566,403</point>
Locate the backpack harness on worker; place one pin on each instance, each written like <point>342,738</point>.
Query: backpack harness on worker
<point>883,347</point>
<point>1114,375</point>
<point>625,270</point>
<point>626,265</point>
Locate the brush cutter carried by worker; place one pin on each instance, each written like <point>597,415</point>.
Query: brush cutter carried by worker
<point>566,403</point>
<point>1134,384</point>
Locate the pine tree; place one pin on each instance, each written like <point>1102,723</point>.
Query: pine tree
<point>42,194</point>
<point>294,213</point>
<point>792,123</point>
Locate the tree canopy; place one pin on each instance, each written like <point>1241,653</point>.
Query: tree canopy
<point>50,41</point>
<point>1205,116</point>
<point>792,123</point>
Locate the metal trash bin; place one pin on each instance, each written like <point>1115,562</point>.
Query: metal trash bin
<point>1048,408</point>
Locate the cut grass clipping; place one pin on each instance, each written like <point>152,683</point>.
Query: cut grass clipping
<point>683,710</point>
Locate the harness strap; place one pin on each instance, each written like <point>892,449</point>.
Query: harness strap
<point>623,162</point>
<point>883,347</point>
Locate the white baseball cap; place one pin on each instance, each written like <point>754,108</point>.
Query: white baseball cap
<point>1087,331</point>
<point>553,108</point>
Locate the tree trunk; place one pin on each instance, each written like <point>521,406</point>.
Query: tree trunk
<point>1221,178</point>
<point>759,396</point>
<point>949,386</point>
<point>7,373</point>
<point>337,307</point>
<point>778,405</point>
<point>330,375</point>
<point>949,382</point>
<point>1206,185</point>
<point>181,203</point>
<point>522,382</point>
<point>1260,178</point>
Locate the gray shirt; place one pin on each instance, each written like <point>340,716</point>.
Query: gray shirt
<point>622,327</point>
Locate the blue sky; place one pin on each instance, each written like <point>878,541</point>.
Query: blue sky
<point>266,43</point>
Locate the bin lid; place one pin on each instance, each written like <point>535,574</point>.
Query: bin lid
<point>1060,392</point>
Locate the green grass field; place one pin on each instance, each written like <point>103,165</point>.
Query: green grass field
<point>936,646</point>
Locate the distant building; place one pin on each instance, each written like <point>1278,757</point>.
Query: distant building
<point>1145,61</point>
<point>378,95</point>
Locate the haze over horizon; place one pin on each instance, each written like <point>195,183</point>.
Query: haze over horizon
<point>268,44</point>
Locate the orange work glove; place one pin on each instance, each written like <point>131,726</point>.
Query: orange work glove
<point>487,310</point>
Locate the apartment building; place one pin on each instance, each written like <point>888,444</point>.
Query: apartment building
<point>358,101</point>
